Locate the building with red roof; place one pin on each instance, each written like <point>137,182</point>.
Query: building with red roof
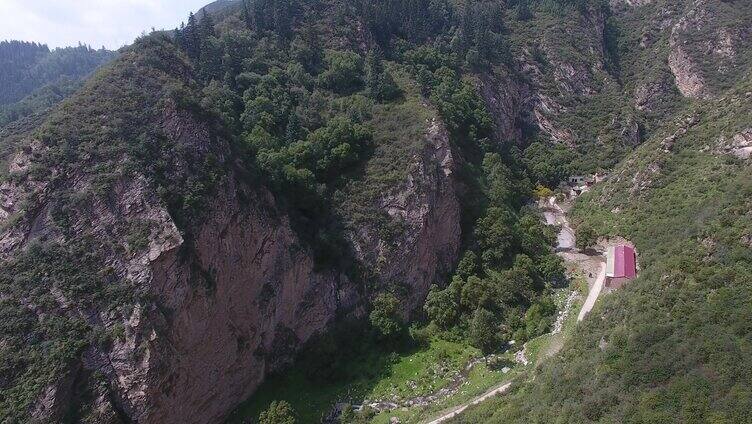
<point>621,265</point>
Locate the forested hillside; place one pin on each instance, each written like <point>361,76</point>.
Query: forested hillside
<point>321,181</point>
<point>33,77</point>
<point>674,345</point>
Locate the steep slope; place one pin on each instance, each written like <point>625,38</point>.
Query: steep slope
<point>673,346</point>
<point>152,269</point>
<point>560,94</point>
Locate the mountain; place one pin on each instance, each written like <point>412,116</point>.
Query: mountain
<point>26,67</point>
<point>286,179</point>
<point>672,347</point>
<point>35,78</point>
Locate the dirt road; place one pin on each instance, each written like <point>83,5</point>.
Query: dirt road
<point>595,291</point>
<point>593,266</point>
<point>461,408</point>
<point>576,261</point>
<point>554,215</point>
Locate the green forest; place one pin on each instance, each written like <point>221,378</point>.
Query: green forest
<point>323,107</point>
<point>34,78</point>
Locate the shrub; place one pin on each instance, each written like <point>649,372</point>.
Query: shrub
<point>586,237</point>
<point>344,72</point>
<point>441,307</point>
<point>385,317</point>
<point>278,413</point>
<point>484,332</point>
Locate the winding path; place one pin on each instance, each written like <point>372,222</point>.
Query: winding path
<point>555,215</point>
<point>457,410</point>
<point>566,248</point>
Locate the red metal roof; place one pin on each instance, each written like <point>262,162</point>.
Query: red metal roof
<point>624,262</point>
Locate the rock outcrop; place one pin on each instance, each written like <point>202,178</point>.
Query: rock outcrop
<point>631,3</point>
<point>426,207</point>
<point>538,87</point>
<point>696,60</point>
<point>740,145</point>
<point>689,79</point>
<point>257,299</point>
<point>505,99</point>
<point>229,298</point>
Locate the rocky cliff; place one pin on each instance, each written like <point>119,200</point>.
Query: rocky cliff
<point>425,206</point>
<point>221,294</point>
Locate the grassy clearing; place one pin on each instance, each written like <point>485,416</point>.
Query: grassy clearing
<point>480,380</point>
<point>396,377</point>
<point>379,376</point>
<point>399,133</point>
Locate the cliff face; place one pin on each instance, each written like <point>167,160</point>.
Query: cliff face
<point>557,68</point>
<point>697,48</point>
<point>426,207</point>
<point>218,301</point>
<point>237,301</point>
<point>232,304</point>
<point>225,307</point>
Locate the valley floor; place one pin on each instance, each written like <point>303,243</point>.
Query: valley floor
<point>435,383</point>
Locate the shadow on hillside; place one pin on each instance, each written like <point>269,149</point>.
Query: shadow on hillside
<point>326,372</point>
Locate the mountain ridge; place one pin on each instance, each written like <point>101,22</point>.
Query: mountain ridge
<point>217,200</point>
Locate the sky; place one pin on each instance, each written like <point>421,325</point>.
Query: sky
<point>108,23</point>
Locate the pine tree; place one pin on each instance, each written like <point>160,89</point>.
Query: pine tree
<point>191,37</point>
<point>179,39</point>
<point>293,130</point>
<point>207,25</point>
<point>247,18</point>
<point>373,72</point>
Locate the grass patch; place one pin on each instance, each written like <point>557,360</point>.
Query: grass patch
<point>378,375</point>
<point>399,134</point>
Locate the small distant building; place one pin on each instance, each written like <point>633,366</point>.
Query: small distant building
<point>621,266</point>
<point>576,180</point>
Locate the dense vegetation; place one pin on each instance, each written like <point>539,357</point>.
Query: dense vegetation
<point>26,67</point>
<point>326,103</point>
<point>674,345</point>
<point>38,101</point>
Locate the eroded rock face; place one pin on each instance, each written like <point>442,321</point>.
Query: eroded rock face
<point>650,94</point>
<point>426,205</point>
<point>689,57</point>
<point>231,297</point>
<point>537,88</point>
<point>689,80</point>
<point>688,76</point>
<point>514,104</point>
<point>232,302</point>
<point>53,402</point>
<point>629,3</point>
<point>241,298</point>
<point>504,97</point>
